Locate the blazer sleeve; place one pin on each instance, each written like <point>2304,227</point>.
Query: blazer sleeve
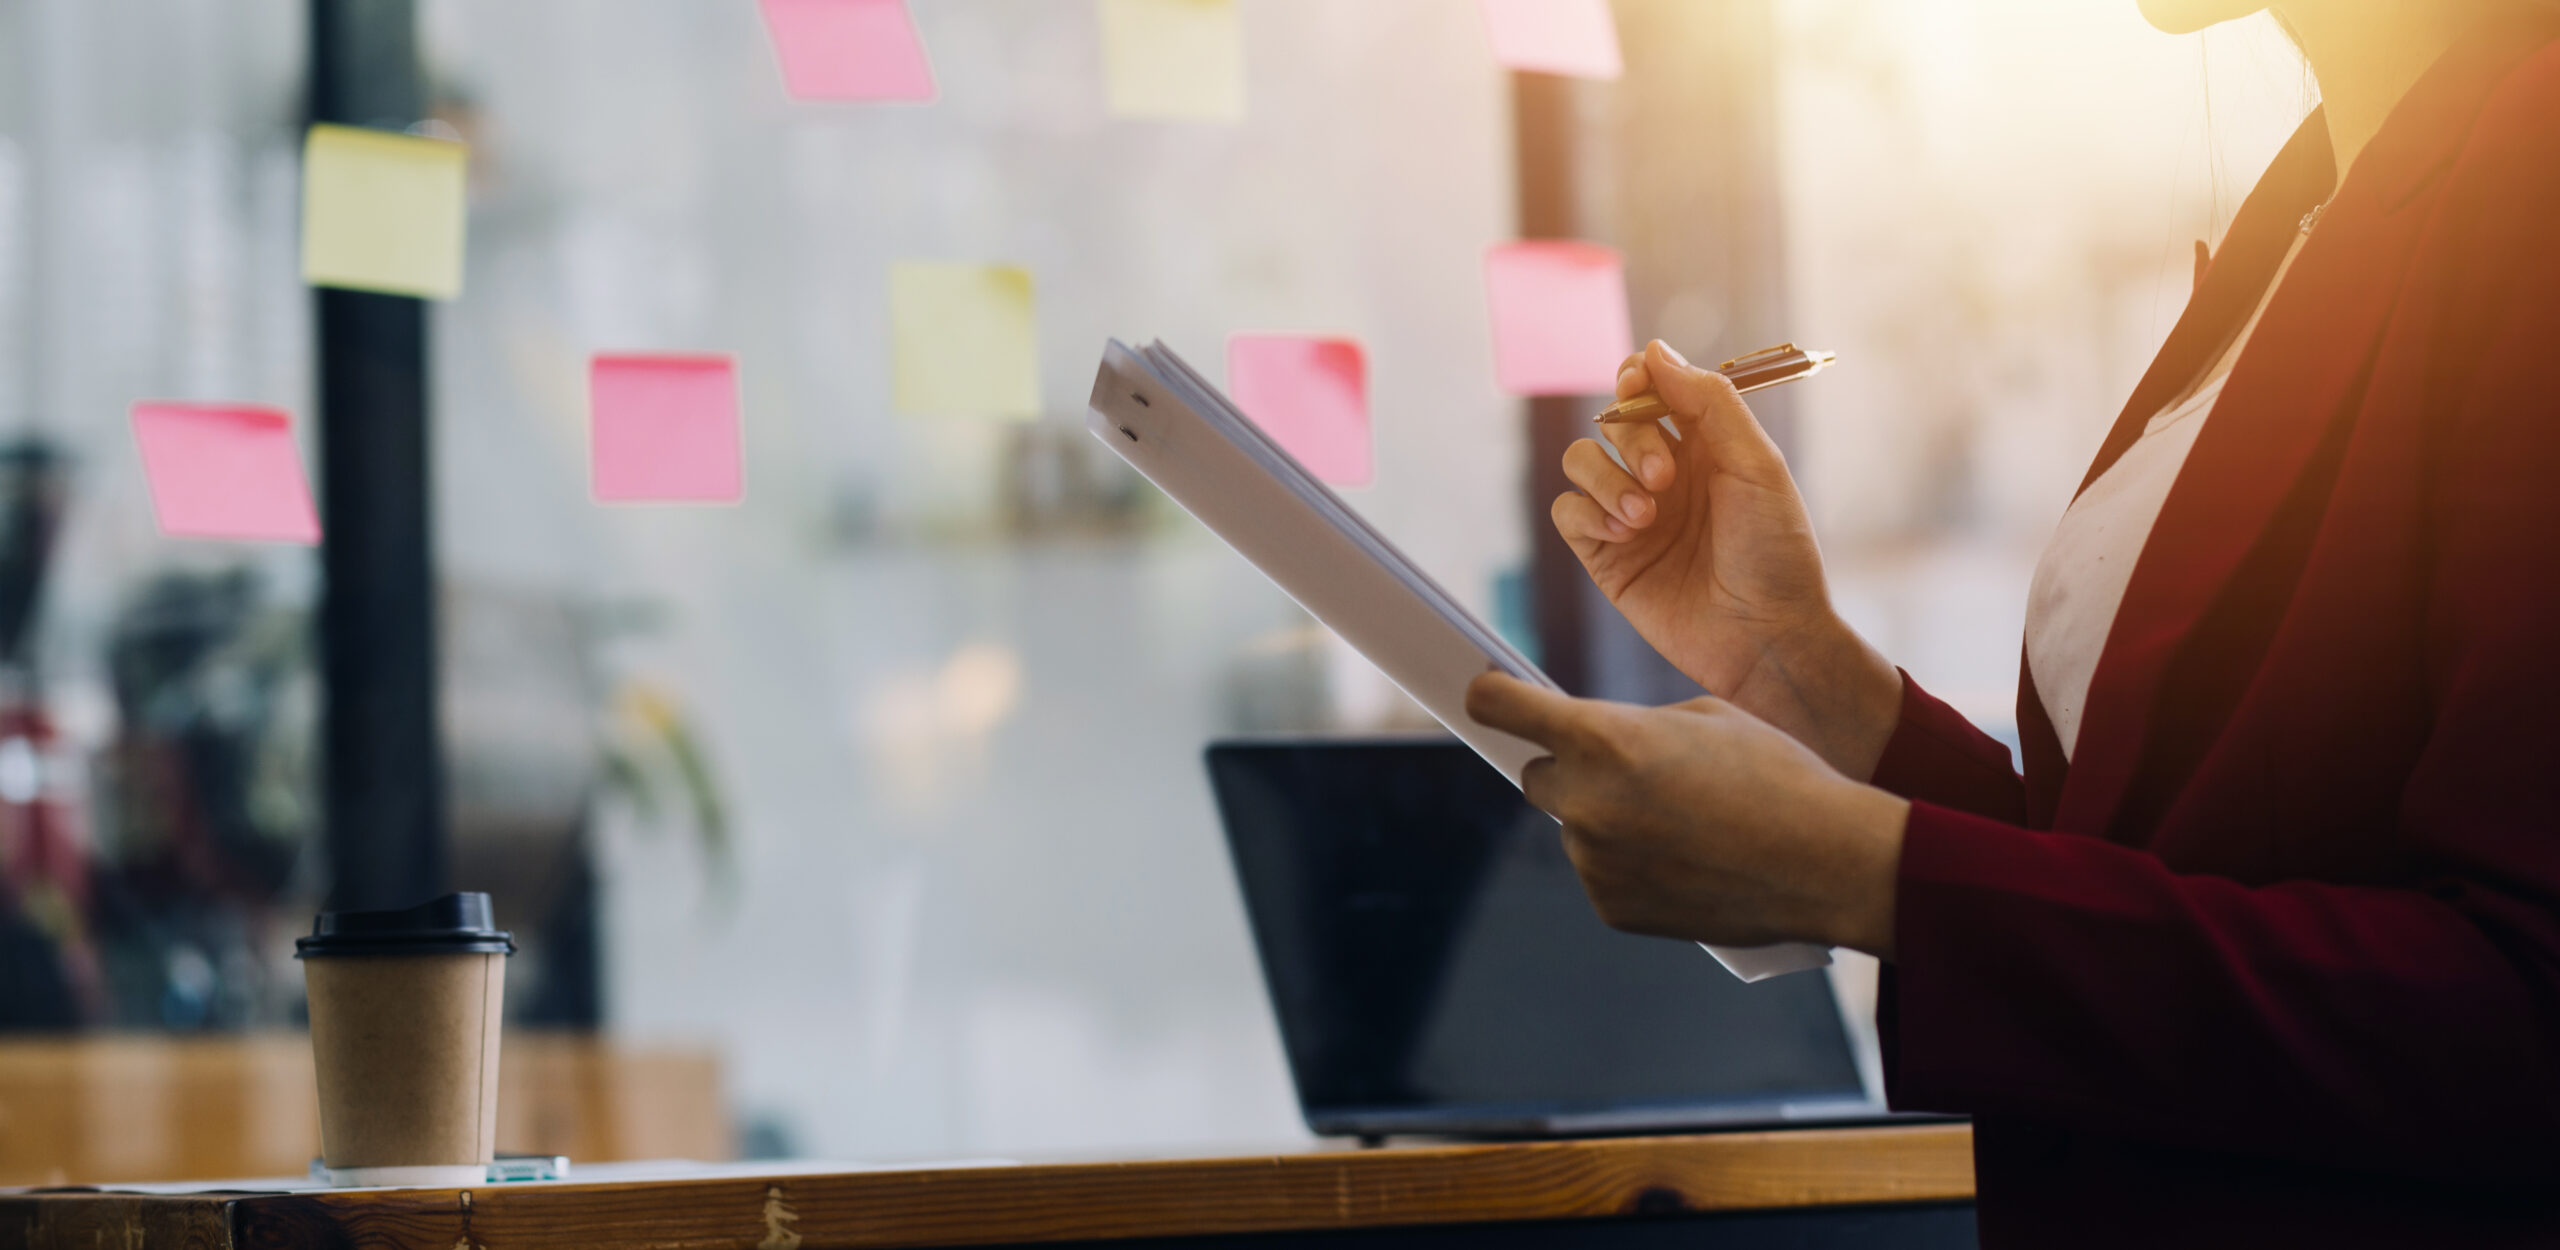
<point>1937,755</point>
<point>2413,1031</point>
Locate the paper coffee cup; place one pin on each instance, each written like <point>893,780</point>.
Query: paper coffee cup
<point>405,1007</point>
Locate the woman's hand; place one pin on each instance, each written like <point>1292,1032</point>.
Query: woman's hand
<point>1698,821</point>
<point>1707,550</point>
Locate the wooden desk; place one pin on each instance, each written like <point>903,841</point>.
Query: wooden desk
<point>1900,1186</point>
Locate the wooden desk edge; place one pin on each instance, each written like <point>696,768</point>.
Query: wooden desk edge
<point>1316,1191</point>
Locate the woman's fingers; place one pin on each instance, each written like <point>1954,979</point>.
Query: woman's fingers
<point>1646,449</point>
<point>1535,713</point>
<point>1580,520</point>
<point>1708,405</point>
<point>1538,783</point>
<point>1589,467</point>
<point>1631,377</point>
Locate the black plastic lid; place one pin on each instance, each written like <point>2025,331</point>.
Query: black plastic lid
<point>457,924</point>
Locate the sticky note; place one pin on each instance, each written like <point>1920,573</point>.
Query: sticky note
<point>382,212</point>
<point>664,429</point>
<point>962,340</point>
<point>848,50</point>
<point>1559,317</point>
<point>1311,395</point>
<point>1576,37</point>
<point>224,471</point>
<point>1173,58</point>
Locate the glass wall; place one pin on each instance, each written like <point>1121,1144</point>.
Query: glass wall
<point>156,827</point>
<point>950,678</point>
<point>884,784</point>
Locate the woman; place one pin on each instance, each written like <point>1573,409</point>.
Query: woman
<point>2264,945</point>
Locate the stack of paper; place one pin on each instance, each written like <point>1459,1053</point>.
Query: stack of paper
<point>1204,400</point>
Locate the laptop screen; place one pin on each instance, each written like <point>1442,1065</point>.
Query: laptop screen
<point>1428,949</point>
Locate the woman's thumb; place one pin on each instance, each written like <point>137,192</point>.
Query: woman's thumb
<point>1707,407</point>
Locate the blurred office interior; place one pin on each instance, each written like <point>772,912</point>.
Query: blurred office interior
<point>865,819</point>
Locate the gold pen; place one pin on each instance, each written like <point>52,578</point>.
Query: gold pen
<point>1761,369</point>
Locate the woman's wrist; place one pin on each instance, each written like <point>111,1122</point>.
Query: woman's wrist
<point>1862,915</point>
<point>1853,698</point>
<point>1874,709</point>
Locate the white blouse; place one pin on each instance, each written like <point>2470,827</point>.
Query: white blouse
<point>2080,581</point>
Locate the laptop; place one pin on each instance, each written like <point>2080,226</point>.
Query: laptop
<point>1436,968</point>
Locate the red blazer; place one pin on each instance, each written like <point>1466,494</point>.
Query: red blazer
<point>2275,959</point>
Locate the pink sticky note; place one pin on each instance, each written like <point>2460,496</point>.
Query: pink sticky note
<point>1575,37</point>
<point>1311,395</point>
<point>1559,317</point>
<point>848,49</point>
<point>664,429</point>
<point>224,471</point>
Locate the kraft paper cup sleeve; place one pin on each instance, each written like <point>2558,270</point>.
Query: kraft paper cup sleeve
<point>406,1007</point>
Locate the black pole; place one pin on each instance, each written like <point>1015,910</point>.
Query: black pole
<point>384,766</point>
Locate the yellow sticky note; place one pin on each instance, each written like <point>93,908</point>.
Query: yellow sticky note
<point>964,339</point>
<point>1173,58</point>
<point>382,212</point>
